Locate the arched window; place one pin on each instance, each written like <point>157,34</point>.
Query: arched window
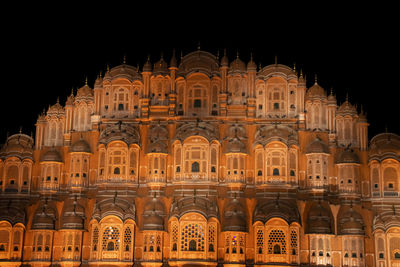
<point>275,172</point>
<point>192,245</point>
<point>195,167</point>
<point>117,160</point>
<point>111,239</point>
<point>277,249</point>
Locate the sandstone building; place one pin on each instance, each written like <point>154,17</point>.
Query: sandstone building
<point>200,161</point>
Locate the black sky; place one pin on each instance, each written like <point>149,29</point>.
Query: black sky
<point>46,54</point>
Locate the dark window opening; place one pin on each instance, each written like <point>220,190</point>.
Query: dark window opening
<point>275,172</point>
<point>276,106</point>
<point>120,106</point>
<point>110,246</point>
<point>292,173</point>
<point>277,249</point>
<point>211,248</point>
<point>197,103</point>
<point>192,245</point>
<point>178,169</point>
<point>195,167</point>
<point>259,173</point>
<point>213,169</point>
<point>116,170</point>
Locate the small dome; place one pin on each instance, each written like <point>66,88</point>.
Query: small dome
<point>237,65</point>
<point>56,109</point>
<point>347,109</point>
<point>332,98</point>
<point>73,216</point>
<point>18,145</point>
<point>80,146</point>
<point>351,223</point>
<point>161,67</point>
<point>348,156</point>
<point>235,145</point>
<point>51,155</point>
<point>319,220</point>
<point>153,215</point>
<point>117,206</point>
<point>316,91</point>
<point>99,82</point>
<point>84,91</point>
<point>385,145</point>
<point>203,205</point>
<point>234,217</point>
<point>44,218</point>
<point>277,208</point>
<point>317,146</point>
<point>147,66</point>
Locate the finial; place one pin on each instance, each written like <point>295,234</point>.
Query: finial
<point>237,53</point>
<point>301,73</point>
<point>217,54</point>
<point>316,79</point>
<point>276,59</point>
<point>181,54</point>
<point>86,81</point>
<point>124,59</point>
<point>198,45</point>
<point>347,97</point>
<point>331,90</point>
<point>294,66</point>
<point>20,129</point>
<point>58,100</point>
<point>108,68</point>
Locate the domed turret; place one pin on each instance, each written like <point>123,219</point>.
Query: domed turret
<point>348,156</point>
<point>385,145</point>
<point>160,67</point>
<point>319,220</point>
<point>147,65</point>
<point>235,145</point>
<point>73,215</point>
<point>351,223</point>
<point>44,218</point>
<point>18,145</point>
<point>51,155</point>
<point>237,66</point>
<point>84,91</point>
<point>153,215</point>
<point>347,109</point>
<point>80,146</point>
<point>316,91</point>
<point>56,109</point>
<point>317,146</point>
<point>234,217</point>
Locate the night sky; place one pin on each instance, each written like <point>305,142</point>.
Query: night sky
<point>351,51</point>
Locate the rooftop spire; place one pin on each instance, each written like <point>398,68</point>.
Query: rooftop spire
<point>124,59</point>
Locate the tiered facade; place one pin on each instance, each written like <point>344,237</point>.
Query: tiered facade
<point>200,162</point>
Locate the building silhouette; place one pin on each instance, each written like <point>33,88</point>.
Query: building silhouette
<point>200,161</point>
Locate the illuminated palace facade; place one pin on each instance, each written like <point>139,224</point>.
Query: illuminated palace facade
<point>201,161</point>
